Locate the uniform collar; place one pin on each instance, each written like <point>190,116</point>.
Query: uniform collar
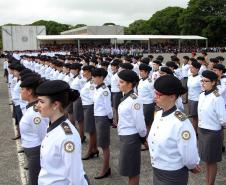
<point>208,92</point>
<point>31,104</point>
<point>127,95</point>
<point>168,112</point>
<point>195,75</point>
<point>145,78</point>
<point>75,75</point>
<point>97,87</point>
<point>56,123</point>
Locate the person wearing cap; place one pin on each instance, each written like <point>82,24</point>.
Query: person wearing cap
<point>146,94</point>
<point>33,128</point>
<point>103,118</point>
<point>86,95</point>
<point>184,80</point>
<point>212,62</point>
<point>212,116</point>
<point>155,66</point>
<point>203,62</point>
<point>131,127</point>
<point>66,72</point>
<point>77,84</point>
<point>116,94</point>
<point>220,70</point>
<point>172,138</point>
<point>194,90</point>
<point>107,80</point>
<point>60,152</point>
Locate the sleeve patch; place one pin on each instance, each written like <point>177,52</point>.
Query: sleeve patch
<point>137,106</point>
<point>37,120</point>
<point>69,146</point>
<point>186,135</point>
<point>105,93</point>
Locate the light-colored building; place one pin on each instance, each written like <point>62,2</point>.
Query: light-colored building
<point>21,37</point>
<point>96,30</point>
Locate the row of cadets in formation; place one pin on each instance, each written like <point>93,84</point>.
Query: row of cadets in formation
<point>107,172</point>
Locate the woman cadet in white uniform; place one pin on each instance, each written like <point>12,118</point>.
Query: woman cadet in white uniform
<point>212,116</point>
<point>61,162</point>
<point>131,127</point>
<point>172,139</point>
<point>33,128</point>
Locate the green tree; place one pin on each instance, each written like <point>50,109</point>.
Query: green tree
<point>165,22</point>
<point>77,26</point>
<point>206,18</point>
<point>109,24</point>
<point>137,27</point>
<point>52,27</point>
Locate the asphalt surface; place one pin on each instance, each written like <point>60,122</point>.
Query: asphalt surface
<point>12,173</point>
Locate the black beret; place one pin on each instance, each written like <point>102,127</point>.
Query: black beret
<point>168,85</point>
<point>52,87</point>
<point>210,75</point>
<point>220,58</point>
<point>31,82</point>
<point>67,65</point>
<point>19,67</point>
<point>171,64</point>
<point>145,67</point>
<point>128,76</point>
<point>76,66</point>
<point>24,76</point>
<point>166,70</point>
<point>157,62</point>
<point>219,67</point>
<point>150,56</point>
<point>160,57</point>
<point>99,72</point>
<point>186,57</point>
<point>196,64</point>
<point>25,71</point>
<point>214,60</point>
<point>104,63</point>
<point>201,58</point>
<point>126,66</point>
<point>116,62</point>
<point>145,60</point>
<point>88,68</point>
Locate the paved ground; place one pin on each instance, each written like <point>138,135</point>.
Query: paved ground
<point>9,170</point>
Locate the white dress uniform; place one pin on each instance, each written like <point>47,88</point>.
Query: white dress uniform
<point>222,88</point>
<point>146,94</point>
<point>212,116</point>
<point>173,147</point>
<point>155,75</point>
<point>61,162</point>
<point>131,127</point>
<point>33,128</point>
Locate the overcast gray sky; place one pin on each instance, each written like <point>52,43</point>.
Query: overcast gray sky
<point>90,12</point>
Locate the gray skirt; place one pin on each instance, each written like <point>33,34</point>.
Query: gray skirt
<point>184,82</point>
<point>116,99</point>
<point>210,145</point>
<point>193,108</point>
<point>130,155</point>
<point>176,177</point>
<point>33,158</point>
<point>89,121</point>
<point>149,110</point>
<point>102,124</point>
<point>78,110</point>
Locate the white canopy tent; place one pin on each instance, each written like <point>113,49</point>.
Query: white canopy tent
<point>122,37</point>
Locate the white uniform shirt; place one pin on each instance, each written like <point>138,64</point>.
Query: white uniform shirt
<point>33,128</point>
<point>222,88</point>
<point>102,101</point>
<point>78,83</point>
<point>184,70</point>
<point>146,91</point>
<point>211,111</point>
<point>114,83</point>
<point>155,75</point>
<point>172,142</point>
<point>60,156</point>
<point>131,116</point>
<point>87,93</point>
<point>194,87</point>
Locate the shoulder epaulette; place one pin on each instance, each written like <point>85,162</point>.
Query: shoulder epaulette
<point>79,77</point>
<point>149,79</point>
<point>216,93</point>
<point>35,108</point>
<point>133,96</point>
<point>180,115</point>
<point>66,128</point>
<point>104,86</point>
